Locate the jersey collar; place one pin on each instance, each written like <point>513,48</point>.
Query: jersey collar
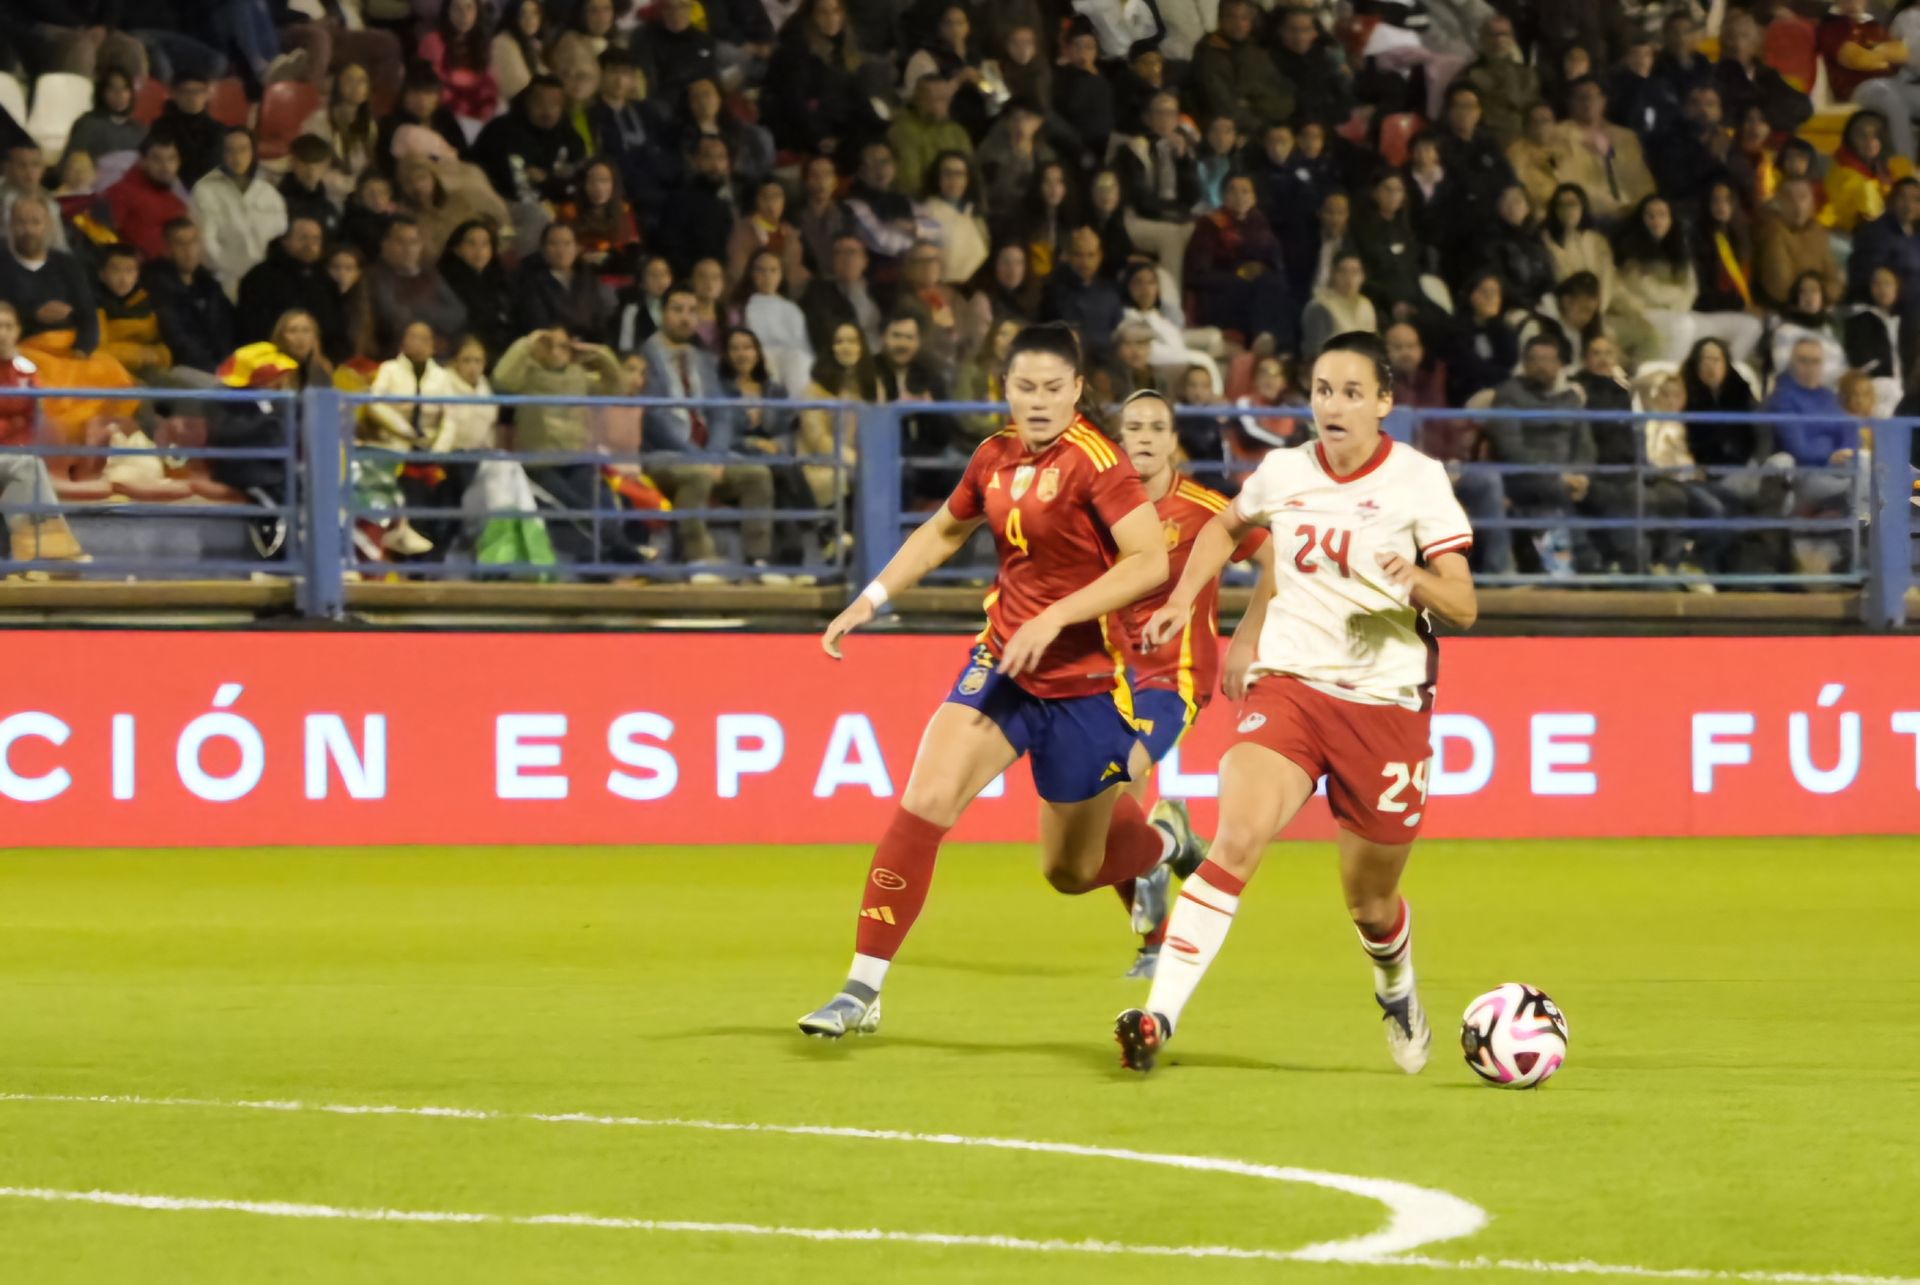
<point>1374,461</point>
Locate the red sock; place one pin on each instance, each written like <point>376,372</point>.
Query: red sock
<point>897,883</point>
<point>1134,845</point>
<point>1217,877</point>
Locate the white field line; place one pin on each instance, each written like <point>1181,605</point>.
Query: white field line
<point>1418,1215</point>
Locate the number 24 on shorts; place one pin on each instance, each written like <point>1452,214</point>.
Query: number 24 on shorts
<point>1399,777</point>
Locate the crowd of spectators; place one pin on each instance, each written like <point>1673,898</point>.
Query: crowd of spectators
<point>1550,205</point>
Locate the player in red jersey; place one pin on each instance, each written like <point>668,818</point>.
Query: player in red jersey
<point>1174,681</point>
<point>1077,541</point>
<point>1370,543</point>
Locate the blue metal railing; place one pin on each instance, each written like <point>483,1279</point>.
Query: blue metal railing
<point>1869,514</point>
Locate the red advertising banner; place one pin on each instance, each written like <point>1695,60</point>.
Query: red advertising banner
<point>160,739</point>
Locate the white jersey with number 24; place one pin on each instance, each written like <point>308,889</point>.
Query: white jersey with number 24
<point>1337,623</point>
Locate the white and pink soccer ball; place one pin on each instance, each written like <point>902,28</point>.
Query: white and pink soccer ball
<point>1514,1037</point>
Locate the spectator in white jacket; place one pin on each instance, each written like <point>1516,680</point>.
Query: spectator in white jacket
<point>1175,348</point>
<point>240,214</point>
<point>401,427</point>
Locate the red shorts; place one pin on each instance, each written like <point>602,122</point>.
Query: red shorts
<point>1373,756</point>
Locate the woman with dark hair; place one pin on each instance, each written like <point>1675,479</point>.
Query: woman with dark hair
<point>1394,256</point>
<point>1723,269</point>
<point>702,114</point>
<point>347,269</point>
<point>1046,219</point>
<point>1715,387</point>
<point>950,53</point>
<point>1005,289</point>
<point>845,372</point>
<point>1067,513</point>
<point>816,98</point>
<point>603,221</point>
<point>1575,246</point>
<point>1512,248</point>
<point>744,374</point>
<point>1656,273</point>
<point>767,229</point>
<point>346,122</point>
<point>1878,344</point>
<point>762,304</point>
<point>1175,346</point>
<point>953,205</point>
<point>595,29</point>
<point>1808,315</point>
<point>109,127</point>
<point>1106,214</point>
<point>240,214</point>
<point>519,52</point>
<point>1485,348</point>
<point>460,51</point>
<point>472,269</point>
<point>1862,175</point>
<point>1752,164</point>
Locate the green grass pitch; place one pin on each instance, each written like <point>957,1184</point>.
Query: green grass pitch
<point>1743,1091</point>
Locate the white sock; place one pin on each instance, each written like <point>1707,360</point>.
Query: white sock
<point>869,970</point>
<point>1196,931</point>
<point>1393,958</point>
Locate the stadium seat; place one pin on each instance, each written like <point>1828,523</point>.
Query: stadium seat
<point>228,103</point>
<point>149,100</point>
<point>59,99</point>
<point>283,110</point>
<point>1829,120</point>
<point>13,97</point>
<point>1354,128</point>
<point>1790,49</point>
<point>1396,135</point>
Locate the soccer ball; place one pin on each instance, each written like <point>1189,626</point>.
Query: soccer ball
<point>1514,1037</point>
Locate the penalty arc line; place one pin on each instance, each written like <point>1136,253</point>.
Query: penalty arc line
<point>1408,1227</point>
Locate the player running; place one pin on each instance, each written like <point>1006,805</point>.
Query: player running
<point>1077,541</point>
<point>1370,542</point>
<point>1173,682</point>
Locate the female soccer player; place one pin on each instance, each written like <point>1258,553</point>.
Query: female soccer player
<point>1077,539</point>
<point>1174,681</point>
<point>1369,542</point>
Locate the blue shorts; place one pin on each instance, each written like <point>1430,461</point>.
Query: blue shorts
<point>1163,719</point>
<point>1077,745</point>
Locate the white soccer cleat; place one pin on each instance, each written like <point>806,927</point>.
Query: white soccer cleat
<point>1408,1037</point>
<point>842,1015</point>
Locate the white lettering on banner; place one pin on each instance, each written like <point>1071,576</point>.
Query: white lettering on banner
<point>1906,722</point>
<point>853,757</point>
<point>1478,773</point>
<point>1818,780</point>
<point>1554,749</point>
<point>1176,784</point>
<point>1709,751</point>
<point>363,775</point>
<point>225,725</point>
<point>32,789</point>
<point>123,775</point>
<point>521,743</point>
<point>629,751</point>
<point>734,757</point>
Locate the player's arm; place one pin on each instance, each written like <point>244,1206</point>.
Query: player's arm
<point>931,544</point>
<point>1246,636</point>
<point>1444,587</point>
<point>1139,569</point>
<point>1212,550</point>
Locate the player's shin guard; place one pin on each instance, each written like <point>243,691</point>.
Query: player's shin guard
<point>1195,933</point>
<point>896,890</point>
<point>1392,956</point>
<point>1134,845</point>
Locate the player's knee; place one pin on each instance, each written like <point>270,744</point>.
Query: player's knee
<point>937,802</point>
<point>1375,916</point>
<point>1064,878</point>
<point>1236,851</point>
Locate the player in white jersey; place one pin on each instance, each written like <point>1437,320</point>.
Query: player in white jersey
<point>1368,543</point>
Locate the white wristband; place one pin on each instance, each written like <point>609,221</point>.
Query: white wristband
<point>875,593</point>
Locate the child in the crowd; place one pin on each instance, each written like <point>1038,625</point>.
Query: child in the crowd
<point>129,327</point>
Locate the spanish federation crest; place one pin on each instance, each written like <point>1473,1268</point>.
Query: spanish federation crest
<point>1022,480</point>
<point>1171,530</point>
<point>1049,484</point>
<point>973,680</point>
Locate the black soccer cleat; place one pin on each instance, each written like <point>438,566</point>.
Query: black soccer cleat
<point>1140,1035</point>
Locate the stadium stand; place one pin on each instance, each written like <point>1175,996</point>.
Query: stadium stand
<point>1565,207</point>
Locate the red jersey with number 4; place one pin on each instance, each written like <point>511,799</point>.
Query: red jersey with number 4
<point>1190,663</point>
<point>1052,517</point>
